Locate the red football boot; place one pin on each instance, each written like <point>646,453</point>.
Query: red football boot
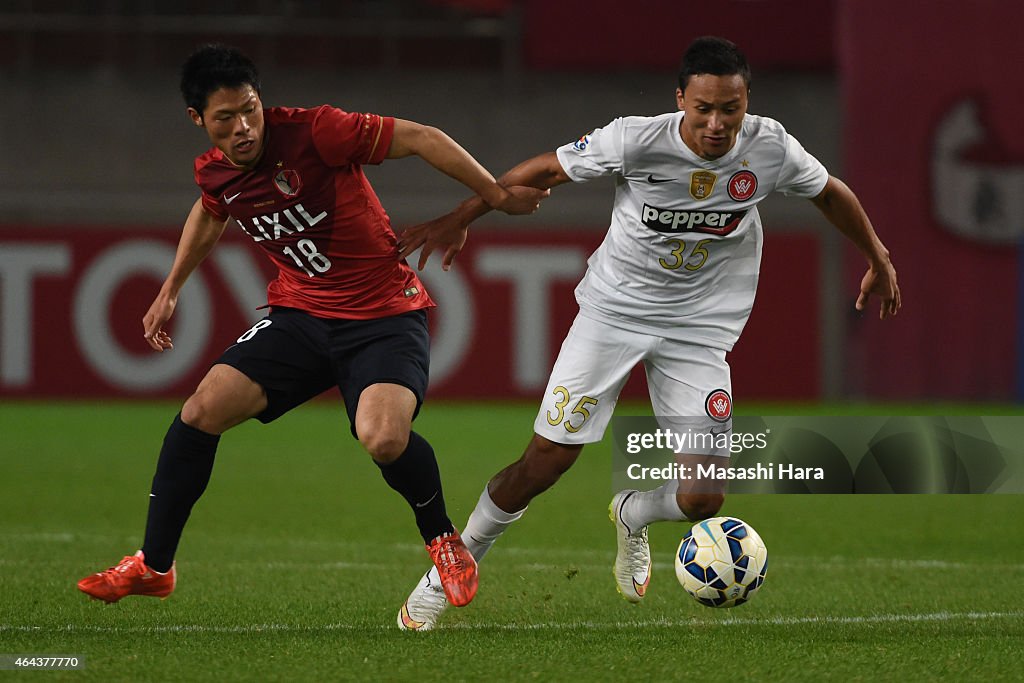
<point>130,577</point>
<point>456,566</point>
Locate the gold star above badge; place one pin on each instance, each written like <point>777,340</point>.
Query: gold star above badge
<point>745,163</point>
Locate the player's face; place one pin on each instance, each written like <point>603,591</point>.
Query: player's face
<point>714,107</point>
<point>233,118</point>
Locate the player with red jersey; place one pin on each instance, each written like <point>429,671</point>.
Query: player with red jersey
<point>344,310</point>
<point>307,204</point>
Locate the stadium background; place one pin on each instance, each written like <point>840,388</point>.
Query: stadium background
<point>916,112</point>
<point>297,558</point>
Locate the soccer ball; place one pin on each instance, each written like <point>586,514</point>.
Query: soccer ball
<point>721,562</point>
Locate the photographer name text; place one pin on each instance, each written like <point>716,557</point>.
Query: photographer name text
<point>759,472</point>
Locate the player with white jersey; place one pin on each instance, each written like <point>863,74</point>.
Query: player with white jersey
<point>671,286</point>
<point>681,256</point>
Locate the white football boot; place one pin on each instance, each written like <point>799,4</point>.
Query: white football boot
<point>633,559</point>
<point>424,605</point>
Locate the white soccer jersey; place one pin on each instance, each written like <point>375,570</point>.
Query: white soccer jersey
<point>682,255</point>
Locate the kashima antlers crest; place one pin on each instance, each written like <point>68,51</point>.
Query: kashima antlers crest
<point>287,181</point>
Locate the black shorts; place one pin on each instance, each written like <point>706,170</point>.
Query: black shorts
<point>295,356</point>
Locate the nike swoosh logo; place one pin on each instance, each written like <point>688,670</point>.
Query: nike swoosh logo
<point>653,180</point>
<point>228,200</point>
<point>428,500</point>
<point>407,620</point>
<point>641,588</point>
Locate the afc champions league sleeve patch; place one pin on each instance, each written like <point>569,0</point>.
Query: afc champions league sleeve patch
<point>581,144</point>
<point>742,185</point>
<point>718,405</point>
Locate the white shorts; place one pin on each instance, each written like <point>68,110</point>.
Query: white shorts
<point>686,381</point>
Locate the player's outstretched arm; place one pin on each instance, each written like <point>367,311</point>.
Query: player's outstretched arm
<point>842,208</point>
<point>202,230</point>
<point>444,154</point>
<point>449,232</point>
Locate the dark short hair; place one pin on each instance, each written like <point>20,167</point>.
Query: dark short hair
<point>714,56</point>
<point>212,67</point>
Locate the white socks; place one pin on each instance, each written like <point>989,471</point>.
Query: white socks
<point>658,505</point>
<point>486,523</point>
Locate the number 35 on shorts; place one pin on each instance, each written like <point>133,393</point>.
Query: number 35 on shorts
<point>576,417</point>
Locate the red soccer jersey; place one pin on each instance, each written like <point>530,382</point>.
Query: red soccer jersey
<point>310,208</point>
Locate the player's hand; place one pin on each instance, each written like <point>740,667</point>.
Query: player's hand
<point>448,232</point>
<point>880,280</point>
<point>520,200</point>
<point>159,312</point>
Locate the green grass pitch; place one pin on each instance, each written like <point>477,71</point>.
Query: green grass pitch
<point>297,558</point>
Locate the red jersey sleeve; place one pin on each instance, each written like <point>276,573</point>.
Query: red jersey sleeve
<point>343,138</point>
<point>210,203</point>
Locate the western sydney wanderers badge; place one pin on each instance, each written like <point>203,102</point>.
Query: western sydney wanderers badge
<point>742,185</point>
<point>718,405</point>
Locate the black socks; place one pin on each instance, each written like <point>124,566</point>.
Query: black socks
<point>186,462</point>
<point>182,473</point>
<point>415,475</point>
